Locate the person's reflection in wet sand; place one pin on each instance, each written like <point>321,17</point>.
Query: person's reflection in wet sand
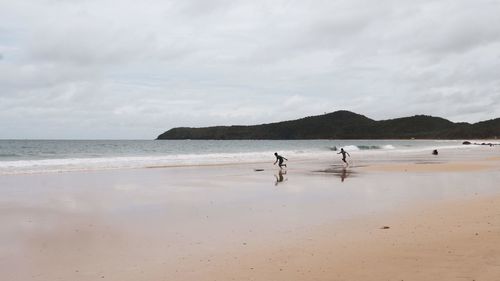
<point>279,177</point>
<point>341,172</point>
<point>343,175</point>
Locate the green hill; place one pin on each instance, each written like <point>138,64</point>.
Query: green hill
<point>345,125</point>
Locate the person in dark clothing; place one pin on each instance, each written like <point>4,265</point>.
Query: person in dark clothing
<point>280,159</point>
<point>343,152</point>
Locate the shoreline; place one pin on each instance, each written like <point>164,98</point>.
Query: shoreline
<point>20,159</point>
<point>366,157</point>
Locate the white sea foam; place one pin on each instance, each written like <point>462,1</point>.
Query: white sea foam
<point>104,163</point>
<point>99,155</point>
<point>351,148</point>
<point>367,147</point>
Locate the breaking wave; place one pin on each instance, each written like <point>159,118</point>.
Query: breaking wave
<point>362,147</point>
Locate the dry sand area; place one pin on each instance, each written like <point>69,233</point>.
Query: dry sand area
<point>410,220</point>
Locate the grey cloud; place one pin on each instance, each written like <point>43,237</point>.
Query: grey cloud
<point>92,69</point>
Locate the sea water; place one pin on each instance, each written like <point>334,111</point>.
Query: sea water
<point>40,156</point>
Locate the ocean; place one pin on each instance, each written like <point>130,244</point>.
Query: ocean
<point>43,156</point>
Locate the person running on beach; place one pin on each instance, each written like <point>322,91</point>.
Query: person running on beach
<point>343,152</point>
<point>280,159</point>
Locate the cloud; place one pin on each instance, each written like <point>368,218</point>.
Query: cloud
<point>90,69</point>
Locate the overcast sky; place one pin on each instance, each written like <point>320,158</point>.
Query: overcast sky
<point>133,69</point>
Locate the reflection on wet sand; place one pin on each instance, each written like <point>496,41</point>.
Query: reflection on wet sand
<point>342,172</point>
<point>279,177</point>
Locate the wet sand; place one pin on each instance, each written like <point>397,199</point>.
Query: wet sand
<point>317,221</point>
<point>433,167</point>
<point>452,241</point>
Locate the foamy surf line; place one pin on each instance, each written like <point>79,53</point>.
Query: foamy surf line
<point>184,160</point>
<point>112,163</point>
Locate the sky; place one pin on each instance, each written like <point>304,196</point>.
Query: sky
<point>104,69</point>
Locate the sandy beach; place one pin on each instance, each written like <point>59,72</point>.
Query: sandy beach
<point>418,217</point>
<point>192,140</point>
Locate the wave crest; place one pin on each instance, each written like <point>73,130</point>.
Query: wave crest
<point>364,147</point>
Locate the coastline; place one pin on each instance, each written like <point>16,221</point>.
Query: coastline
<point>38,157</point>
<point>227,222</point>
